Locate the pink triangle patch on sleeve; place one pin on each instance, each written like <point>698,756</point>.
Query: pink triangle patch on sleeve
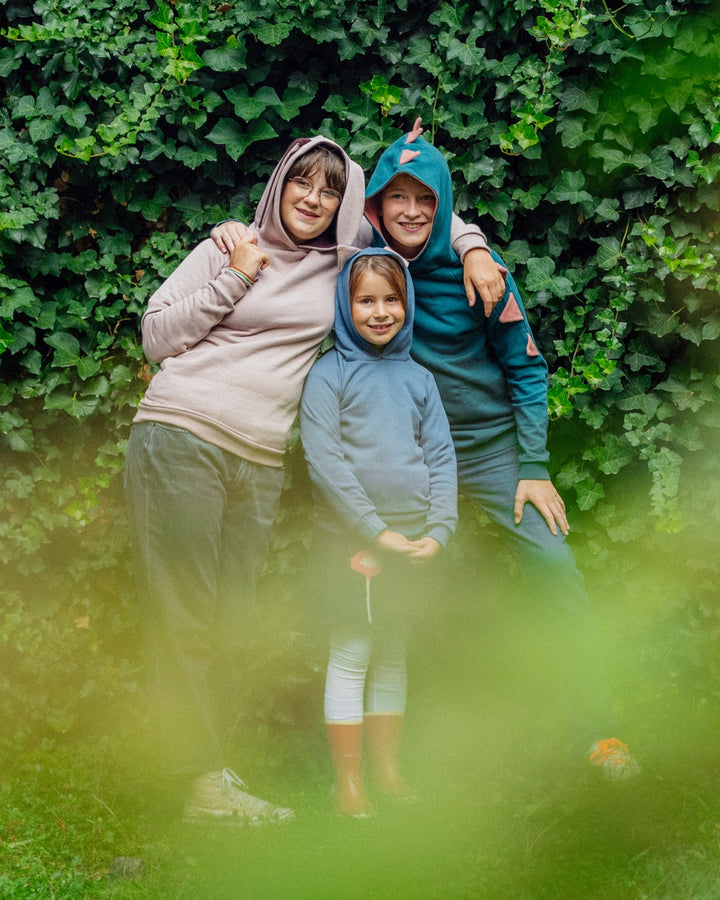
<point>417,130</point>
<point>407,155</point>
<point>511,313</point>
<point>531,348</point>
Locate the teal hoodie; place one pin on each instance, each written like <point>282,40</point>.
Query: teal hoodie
<point>375,435</point>
<point>491,377</point>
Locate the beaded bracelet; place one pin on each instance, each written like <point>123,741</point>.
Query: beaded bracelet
<point>243,276</point>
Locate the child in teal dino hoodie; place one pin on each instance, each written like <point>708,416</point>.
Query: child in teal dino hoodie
<point>493,383</point>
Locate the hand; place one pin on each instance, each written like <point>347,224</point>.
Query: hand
<point>228,234</point>
<point>423,550</point>
<point>248,257</point>
<point>393,542</point>
<point>483,275</point>
<point>545,498</point>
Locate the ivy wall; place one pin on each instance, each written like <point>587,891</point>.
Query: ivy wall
<point>583,137</point>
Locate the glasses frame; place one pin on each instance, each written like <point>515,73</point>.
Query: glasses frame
<point>328,197</point>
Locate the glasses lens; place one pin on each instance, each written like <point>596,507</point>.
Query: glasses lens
<point>328,197</point>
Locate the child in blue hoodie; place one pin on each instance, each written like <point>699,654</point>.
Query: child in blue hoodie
<point>493,383</point>
<point>382,465</point>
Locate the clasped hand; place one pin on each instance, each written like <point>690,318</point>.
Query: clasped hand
<point>417,552</point>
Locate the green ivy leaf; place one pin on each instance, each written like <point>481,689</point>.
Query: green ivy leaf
<point>638,396</point>
<point>574,132</point>
<point>225,59</point>
<point>294,99</point>
<point>248,108</point>
<point>638,356</point>
<point>497,206</point>
<point>611,157</point>
<point>612,456</point>
<point>368,143</point>
<point>7,339</point>
<point>41,130</point>
<point>662,322</point>
<point>711,328</point>
<point>646,112</point>
<point>21,440</point>
<point>193,157</point>
<point>541,278</point>
<point>571,188</point>
<point>77,407</point>
<point>163,17</point>
<point>15,297</point>
<point>382,93</point>
<point>588,492</point>
<point>660,164</point>
<point>87,367</point>
<point>420,54</point>
<point>196,213</point>
<point>607,210</point>
<point>67,349</point>
<point>235,139</point>
<point>273,34</point>
<point>10,60</point>
<point>609,252</point>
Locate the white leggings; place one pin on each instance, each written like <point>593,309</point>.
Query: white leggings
<point>365,675</point>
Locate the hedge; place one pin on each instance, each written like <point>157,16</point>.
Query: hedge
<point>582,136</point>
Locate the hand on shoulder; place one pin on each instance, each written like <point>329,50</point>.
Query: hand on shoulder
<point>484,277</point>
<point>228,234</point>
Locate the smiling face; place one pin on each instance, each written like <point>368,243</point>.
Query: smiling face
<point>305,212</point>
<point>377,308</point>
<point>407,209</point>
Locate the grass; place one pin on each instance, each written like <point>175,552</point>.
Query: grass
<point>480,830</point>
<point>507,810</point>
<point>504,813</point>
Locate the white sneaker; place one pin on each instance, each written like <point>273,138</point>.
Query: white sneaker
<point>221,796</point>
<point>613,760</point>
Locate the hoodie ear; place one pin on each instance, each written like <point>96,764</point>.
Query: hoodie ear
<point>344,254</point>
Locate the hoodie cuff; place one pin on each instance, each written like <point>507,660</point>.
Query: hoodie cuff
<point>441,533</point>
<point>533,471</point>
<point>463,245</point>
<point>371,526</point>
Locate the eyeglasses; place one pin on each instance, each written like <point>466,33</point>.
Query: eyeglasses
<point>328,197</point>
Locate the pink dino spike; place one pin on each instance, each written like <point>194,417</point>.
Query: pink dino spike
<point>417,130</point>
<point>511,313</point>
<point>531,349</point>
<point>407,155</point>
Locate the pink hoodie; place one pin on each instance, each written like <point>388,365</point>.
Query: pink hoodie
<point>234,358</point>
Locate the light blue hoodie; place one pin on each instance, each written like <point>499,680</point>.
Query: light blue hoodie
<point>375,435</point>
